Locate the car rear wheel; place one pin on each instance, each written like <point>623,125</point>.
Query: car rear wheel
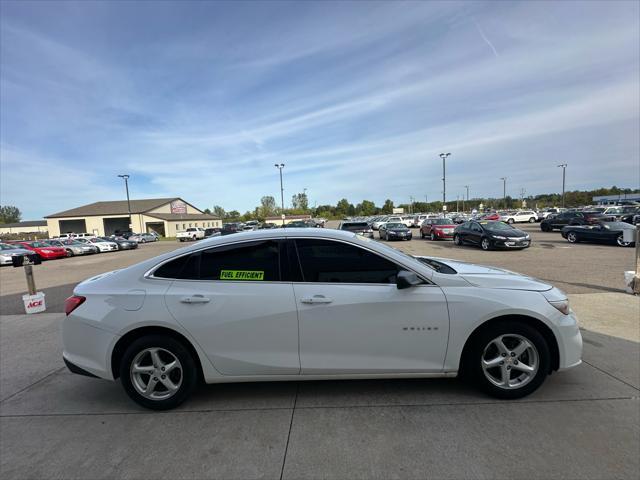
<point>510,221</point>
<point>508,360</point>
<point>158,372</point>
<point>544,227</point>
<point>485,244</point>
<point>620,241</point>
<point>457,240</point>
<point>572,237</point>
<point>532,220</point>
<point>69,252</point>
<point>421,234</point>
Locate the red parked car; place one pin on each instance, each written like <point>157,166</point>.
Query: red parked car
<point>44,250</point>
<point>437,228</point>
<point>491,216</point>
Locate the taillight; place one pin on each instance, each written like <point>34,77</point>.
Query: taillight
<point>73,302</point>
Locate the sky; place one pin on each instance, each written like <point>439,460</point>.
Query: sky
<point>199,100</point>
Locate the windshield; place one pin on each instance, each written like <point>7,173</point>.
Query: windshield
<point>6,246</point>
<point>39,244</point>
<point>442,221</point>
<point>396,226</point>
<point>496,226</point>
<point>616,225</point>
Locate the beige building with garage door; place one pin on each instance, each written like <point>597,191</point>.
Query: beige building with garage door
<point>164,216</point>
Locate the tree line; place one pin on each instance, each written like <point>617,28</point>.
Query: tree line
<point>300,205</point>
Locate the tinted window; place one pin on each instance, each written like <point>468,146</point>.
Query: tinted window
<point>328,261</point>
<point>255,261</point>
<point>355,226</point>
<point>185,267</point>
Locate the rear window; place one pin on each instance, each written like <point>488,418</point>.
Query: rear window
<point>355,226</point>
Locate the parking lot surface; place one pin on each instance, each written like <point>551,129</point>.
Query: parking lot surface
<point>582,423</point>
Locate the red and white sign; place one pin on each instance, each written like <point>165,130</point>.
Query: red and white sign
<point>178,206</point>
<point>34,303</point>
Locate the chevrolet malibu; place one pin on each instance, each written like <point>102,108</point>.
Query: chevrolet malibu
<point>310,304</point>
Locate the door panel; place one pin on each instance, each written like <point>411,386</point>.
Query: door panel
<point>245,328</point>
<point>371,328</point>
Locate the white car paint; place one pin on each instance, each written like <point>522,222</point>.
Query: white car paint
<point>519,216</point>
<point>256,331</point>
<point>103,245</point>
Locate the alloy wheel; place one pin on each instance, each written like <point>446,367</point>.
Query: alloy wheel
<point>571,237</point>
<point>485,244</point>
<point>156,373</point>
<point>620,241</point>
<point>456,240</point>
<point>510,361</point>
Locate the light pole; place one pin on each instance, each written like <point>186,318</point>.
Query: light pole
<point>280,167</point>
<point>467,187</point>
<point>564,169</point>
<point>504,191</point>
<point>126,186</point>
<point>444,156</point>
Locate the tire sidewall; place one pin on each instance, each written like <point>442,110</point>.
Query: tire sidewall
<point>473,359</point>
<point>189,371</point>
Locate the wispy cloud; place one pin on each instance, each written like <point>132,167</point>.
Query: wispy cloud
<point>356,98</point>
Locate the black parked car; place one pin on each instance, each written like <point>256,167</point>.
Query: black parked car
<point>394,231</point>
<point>556,222</point>
<point>359,228</point>
<point>631,216</point>
<point>601,232</point>
<point>123,243</point>
<point>212,232</point>
<point>489,234</point>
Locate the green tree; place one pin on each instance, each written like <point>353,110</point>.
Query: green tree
<point>233,214</point>
<point>387,207</point>
<point>366,208</point>
<point>267,206</point>
<point>219,212</point>
<point>343,207</point>
<point>9,214</point>
<point>299,201</point>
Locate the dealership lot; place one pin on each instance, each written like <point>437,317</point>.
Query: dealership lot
<point>583,423</point>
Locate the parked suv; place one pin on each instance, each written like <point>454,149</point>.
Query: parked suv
<point>573,218</point>
<point>520,216</point>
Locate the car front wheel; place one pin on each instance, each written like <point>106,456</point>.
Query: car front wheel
<point>158,372</point>
<point>620,241</point>
<point>508,360</point>
<point>456,240</point>
<point>485,244</point>
<point>532,220</point>
<point>433,236</point>
<point>572,237</point>
<point>510,221</point>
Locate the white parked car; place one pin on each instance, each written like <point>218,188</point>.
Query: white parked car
<point>519,217</point>
<point>418,219</point>
<point>193,233</point>
<point>103,245</point>
<point>313,304</point>
<point>8,251</point>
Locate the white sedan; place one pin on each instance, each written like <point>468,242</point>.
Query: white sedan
<point>100,244</point>
<point>311,304</point>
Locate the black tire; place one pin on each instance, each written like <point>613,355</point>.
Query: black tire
<point>143,241</point>
<point>532,220</point>
<point>433,237</point>
<point>511,221</point>
<point>572,237</point>
<point>70,253</point>
<point>189,371</point>
<point>421,234</point>
<point>456,240</point>
<point>472,362</point>
<point>544,227</point>
<point>485,244</point>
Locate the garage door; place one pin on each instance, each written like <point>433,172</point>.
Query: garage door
<point>72,226</point>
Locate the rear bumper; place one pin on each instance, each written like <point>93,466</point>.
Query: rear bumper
<point>73,368</point>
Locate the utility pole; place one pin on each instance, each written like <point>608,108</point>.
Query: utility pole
<point>444,178</point>
<point>564,170</point>
<point>467,187</point>
<point>280,167</point>
<point>126,186</point>
<point>504,191</point>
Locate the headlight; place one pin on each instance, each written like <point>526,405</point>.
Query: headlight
<point>526,236</point>
<point>562,306</point>
<point>499,237</point>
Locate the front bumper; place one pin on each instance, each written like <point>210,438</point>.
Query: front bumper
<point>569,341</point>
<point>443,235</point>
<point>395,236</point>
<point>511,243</point>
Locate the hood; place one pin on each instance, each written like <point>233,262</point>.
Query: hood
<point>507,233</point>
<point>484,276</point>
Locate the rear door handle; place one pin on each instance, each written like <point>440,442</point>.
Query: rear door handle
<point>195,299</point>
<point>316,299</point>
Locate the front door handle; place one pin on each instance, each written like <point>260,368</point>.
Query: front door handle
<point>195,299</point>
<point>316,299</point>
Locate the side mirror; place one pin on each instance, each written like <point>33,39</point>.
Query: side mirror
<point>406,279</point>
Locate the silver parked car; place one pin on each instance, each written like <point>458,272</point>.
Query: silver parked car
<point>73,247</point>
<point>8,251</point>
<point>142,238</point>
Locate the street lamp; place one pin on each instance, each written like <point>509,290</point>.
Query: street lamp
<point>564,169</point>
<point>467,187</point>
<point>444,156</point>
<point>504,191</point>
<point>126,186</point>
<point>280,167</point>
